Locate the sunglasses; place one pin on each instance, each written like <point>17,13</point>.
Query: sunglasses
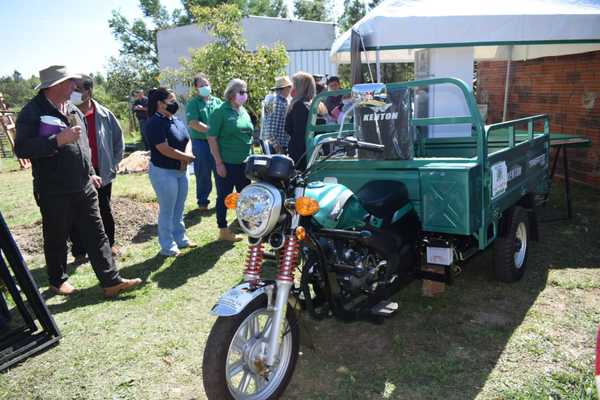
<point>242,92</point>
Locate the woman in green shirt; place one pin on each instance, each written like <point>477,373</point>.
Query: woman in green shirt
<point>230,137</point>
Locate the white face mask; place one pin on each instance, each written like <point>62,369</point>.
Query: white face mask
<point>76,98</point>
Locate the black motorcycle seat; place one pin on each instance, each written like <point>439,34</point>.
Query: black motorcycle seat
<point>383,198</point>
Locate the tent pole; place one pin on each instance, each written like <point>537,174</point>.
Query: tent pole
<point>378,65</point>
<point>506,83</point>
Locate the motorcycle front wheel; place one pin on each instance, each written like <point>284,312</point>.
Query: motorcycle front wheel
<point>233,366</point>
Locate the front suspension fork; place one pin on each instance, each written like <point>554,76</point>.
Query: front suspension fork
<point>288,260</point>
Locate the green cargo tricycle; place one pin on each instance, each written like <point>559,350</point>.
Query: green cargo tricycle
<point>384,193</point>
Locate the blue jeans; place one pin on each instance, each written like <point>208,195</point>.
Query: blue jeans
<point>204,164</point>
<point>235,178</point>
<point>171,187</point>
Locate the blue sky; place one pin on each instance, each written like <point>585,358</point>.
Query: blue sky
<point>39,33</point>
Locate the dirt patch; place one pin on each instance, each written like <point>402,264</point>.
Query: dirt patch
<point>135,222</point>
<point>29,238</point>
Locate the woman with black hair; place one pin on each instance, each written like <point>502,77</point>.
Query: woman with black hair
<point>170,154</point>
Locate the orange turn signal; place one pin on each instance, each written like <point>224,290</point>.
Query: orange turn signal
<point>300,233</point>
<point>231,200</point>
<point>306,206</point>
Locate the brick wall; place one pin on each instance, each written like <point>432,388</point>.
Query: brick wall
<point>567,88</point>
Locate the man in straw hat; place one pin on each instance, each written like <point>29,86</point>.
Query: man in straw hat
<point>51,132</point>
<point>274,110</point>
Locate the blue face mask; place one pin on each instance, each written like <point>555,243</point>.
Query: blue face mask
<point>204,91</point>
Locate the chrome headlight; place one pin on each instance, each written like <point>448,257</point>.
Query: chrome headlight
<point>258,209</point>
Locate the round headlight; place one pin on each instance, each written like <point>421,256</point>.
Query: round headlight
<point>258,209</point>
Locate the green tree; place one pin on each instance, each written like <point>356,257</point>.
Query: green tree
<point>373,4</point>
<point>125,74</point>
<point>312,10</point>
<point>354,10</point>
<point>268,8</point>
<point>227,57</point>
<point>16,90</point>
<point>189,5</point>
<point>138,37</point>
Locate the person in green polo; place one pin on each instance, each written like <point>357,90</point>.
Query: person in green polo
<point>198,111</point>
<point>230,137</point>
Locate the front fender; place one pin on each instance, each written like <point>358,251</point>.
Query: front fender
<point>236,299</point>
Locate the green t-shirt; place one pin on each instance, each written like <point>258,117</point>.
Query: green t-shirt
<point>199,110</point>
<point>233,130</point>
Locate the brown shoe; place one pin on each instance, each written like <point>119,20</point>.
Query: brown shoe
<point>125,284</point>
<point>228,236</point>
<point>65,289</point>
<point>202,208</point>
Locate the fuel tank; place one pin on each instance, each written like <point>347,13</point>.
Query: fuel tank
<point>339,207</point>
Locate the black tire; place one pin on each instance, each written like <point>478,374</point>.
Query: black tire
<point>217,347</point>
<point>508,267</point>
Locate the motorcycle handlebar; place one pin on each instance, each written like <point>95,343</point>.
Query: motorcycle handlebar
<point>370,146</point>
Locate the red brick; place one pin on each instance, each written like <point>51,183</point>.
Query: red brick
<point>552,85</point>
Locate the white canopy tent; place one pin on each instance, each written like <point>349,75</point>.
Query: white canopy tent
<point>457,32</point>
<point>498,30</point>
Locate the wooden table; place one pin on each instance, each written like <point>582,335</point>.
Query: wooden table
<point>562,142</point>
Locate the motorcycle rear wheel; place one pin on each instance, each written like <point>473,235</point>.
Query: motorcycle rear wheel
<point>230,367</point>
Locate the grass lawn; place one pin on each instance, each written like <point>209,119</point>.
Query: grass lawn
<point>9,164</point>
<point>481,339</point>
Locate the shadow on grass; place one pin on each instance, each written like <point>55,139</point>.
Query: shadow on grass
<point>192,263</point>
<point>150,231</point>
<point>447,347</point>
<point>432,348</point>
<point>94,295</point>
<point>145,233</point>
<point>194,217</point>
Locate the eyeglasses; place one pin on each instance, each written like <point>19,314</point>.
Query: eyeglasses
<point>242,92</point>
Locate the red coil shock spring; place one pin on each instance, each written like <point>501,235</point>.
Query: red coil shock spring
<point>254,262</point>
<point>288,259</point>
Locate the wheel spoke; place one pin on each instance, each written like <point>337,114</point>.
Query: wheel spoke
<point>267,327</point>
<point>244,382</point>
<point>235,368</point>
<point>238,344</point>
<point>260,382</point>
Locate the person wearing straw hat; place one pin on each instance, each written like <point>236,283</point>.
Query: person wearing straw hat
<point>51,132</point>
<point>274,110</point>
